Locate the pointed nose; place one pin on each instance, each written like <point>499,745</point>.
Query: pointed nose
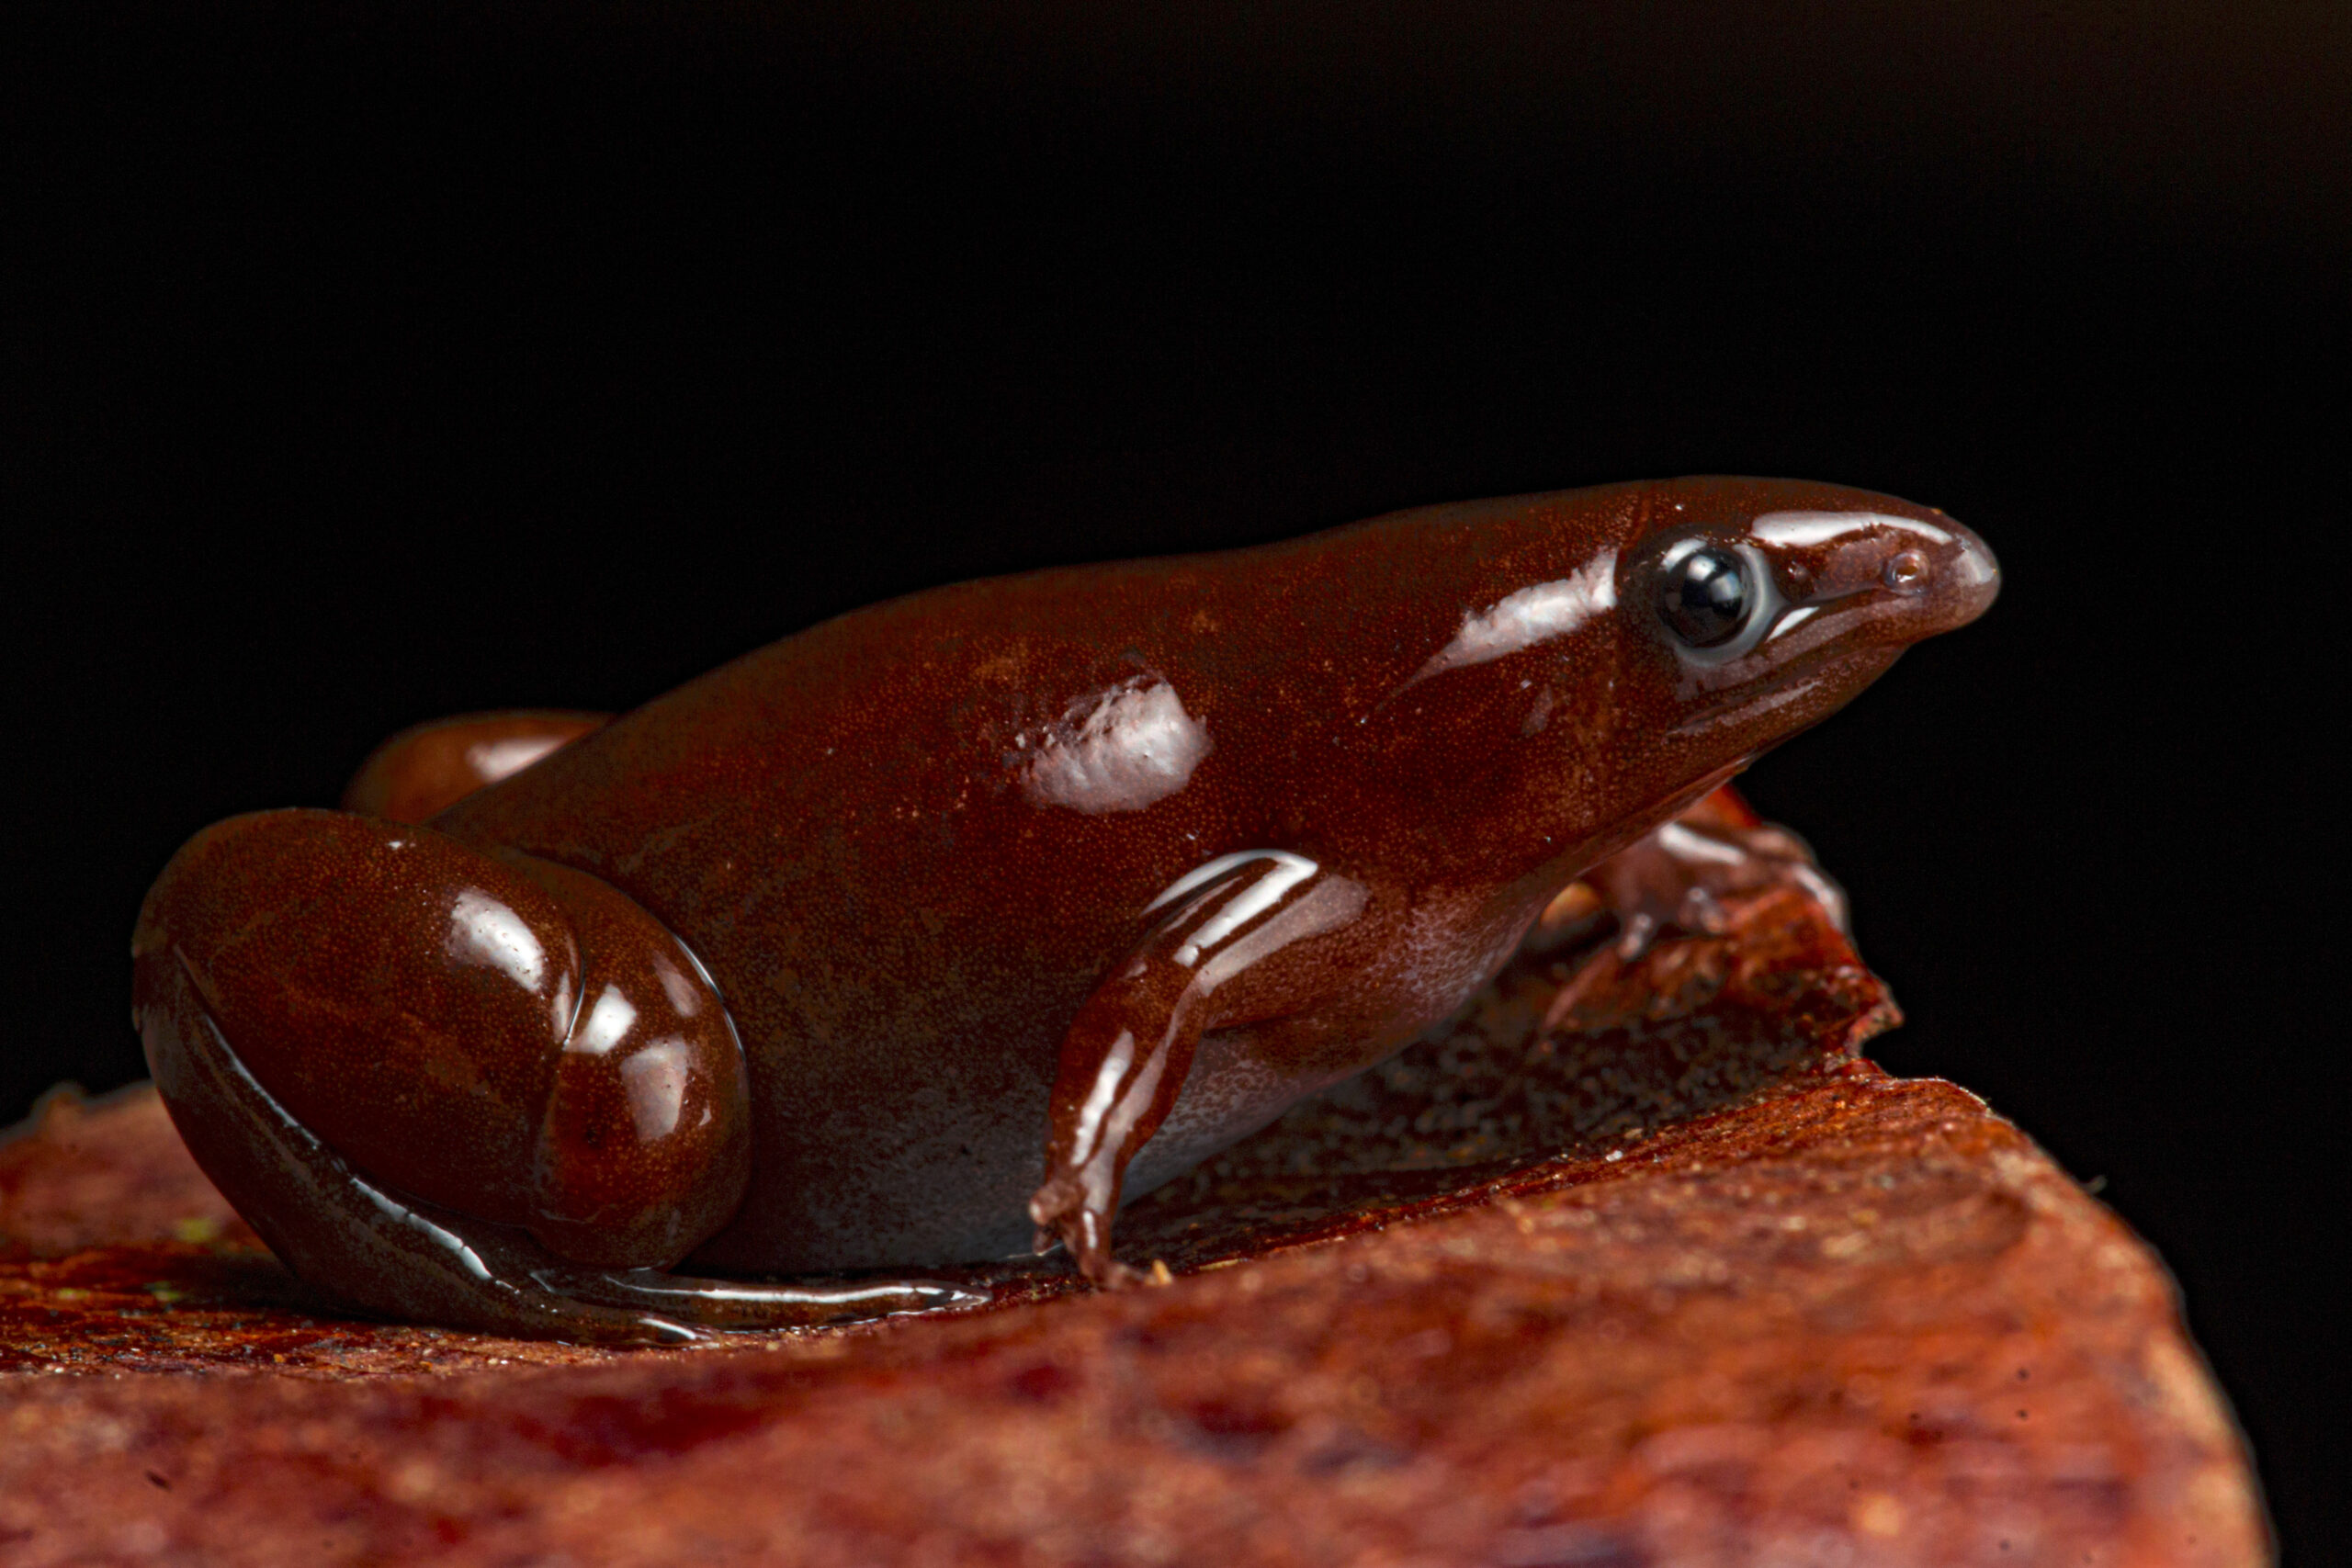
<point>1967,579</point>
<point>1942,572</point>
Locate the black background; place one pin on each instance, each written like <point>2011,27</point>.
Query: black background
<point>367,361</point>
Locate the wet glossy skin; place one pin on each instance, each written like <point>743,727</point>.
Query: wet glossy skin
<point>968,914</point>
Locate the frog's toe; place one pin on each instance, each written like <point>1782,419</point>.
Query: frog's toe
<point>741,1305</point>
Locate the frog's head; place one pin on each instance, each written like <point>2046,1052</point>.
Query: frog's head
<point>1623,651</point>
<point>1750,609</point>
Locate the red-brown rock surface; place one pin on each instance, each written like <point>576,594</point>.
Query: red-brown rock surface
<point>1643,1269</point>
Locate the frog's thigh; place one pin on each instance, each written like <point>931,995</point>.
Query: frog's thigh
<point>412,1260</point>
<point>470,1031</point>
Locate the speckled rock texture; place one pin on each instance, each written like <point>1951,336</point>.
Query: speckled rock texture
<point>1639,1264</point>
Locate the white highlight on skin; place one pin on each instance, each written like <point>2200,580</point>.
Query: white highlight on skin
<point>564,1011</point>
<point>1332,902</point>
<point>1792,620</point>
<point>1088,1133</point>
<point>448,1239</point>
<point>645,1282</point>
<point>1117,749</point>
<point>1336,901</point>
<point>496,760</point>
<point>1210,870</point>
<point>656,1080</point>
<point>1799,530</point>
<point>1531,615</point>
<point>677,988</point>
<point>609,1022</point>
<point>1125,1114</point>
<point>485,933</point>
<point>1288,872</point>
<point>1683,844</point>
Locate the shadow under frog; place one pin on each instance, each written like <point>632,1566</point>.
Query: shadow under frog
<point>928,934</point>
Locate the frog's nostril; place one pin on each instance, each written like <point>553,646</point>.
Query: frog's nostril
<point>1906,572</point>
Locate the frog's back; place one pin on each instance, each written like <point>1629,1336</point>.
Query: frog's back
<point>906,843</point>
<point>826,825</point>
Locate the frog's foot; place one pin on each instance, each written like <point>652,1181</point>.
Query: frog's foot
<point>1673,882</point>
<point>1065,1214</point>
<point>463,1089</point>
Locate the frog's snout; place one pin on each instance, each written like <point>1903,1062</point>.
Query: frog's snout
<point>1977,568</point>
<point>1949,569</point>
<point>1902,575</point>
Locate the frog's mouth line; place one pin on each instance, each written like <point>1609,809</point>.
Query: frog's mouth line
<point>1747,708</point>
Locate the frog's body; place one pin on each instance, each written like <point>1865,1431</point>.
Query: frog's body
<point>1141,852</point>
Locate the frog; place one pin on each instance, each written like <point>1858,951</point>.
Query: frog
<point>933,934</point>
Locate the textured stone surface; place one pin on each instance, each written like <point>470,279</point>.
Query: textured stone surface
<point>1643,1269</point>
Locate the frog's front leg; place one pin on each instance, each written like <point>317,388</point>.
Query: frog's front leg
<point>1673,881</point>
<point>1126,1053</point>
<point>476,1090</point>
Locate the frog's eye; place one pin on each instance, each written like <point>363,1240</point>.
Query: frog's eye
<point>1706,596</point>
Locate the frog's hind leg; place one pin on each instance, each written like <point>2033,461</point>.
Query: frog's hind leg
<point>408,1259</point>
<point>427,767</point>
<point>327,1000</point>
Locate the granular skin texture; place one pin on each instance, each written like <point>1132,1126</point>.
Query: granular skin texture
<point>1638,1264</point>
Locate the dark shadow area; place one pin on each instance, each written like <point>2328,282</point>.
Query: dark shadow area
<point>1570,1058</point>
<point>1578,1053</point>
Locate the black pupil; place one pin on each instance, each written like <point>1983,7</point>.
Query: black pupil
<point>1706,597</point>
